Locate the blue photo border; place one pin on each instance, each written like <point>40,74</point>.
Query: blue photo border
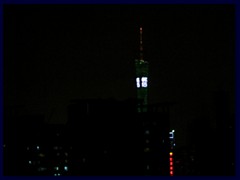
<point>237,66</point>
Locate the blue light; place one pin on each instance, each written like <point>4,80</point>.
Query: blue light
<point>65,168</point>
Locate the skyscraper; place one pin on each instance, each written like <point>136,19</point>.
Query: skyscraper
<point>142,75</point>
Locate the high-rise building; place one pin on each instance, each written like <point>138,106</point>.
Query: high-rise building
<point>142,75</point>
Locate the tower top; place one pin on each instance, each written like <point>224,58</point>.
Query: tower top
<point>141,44</point>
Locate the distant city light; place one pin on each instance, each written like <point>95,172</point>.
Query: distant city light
<point>170,153</point>
<point>29,162</point>
<point>37,147</point>
<point>65,168</point>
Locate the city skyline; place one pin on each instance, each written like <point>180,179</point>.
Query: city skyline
<point>56,53</point>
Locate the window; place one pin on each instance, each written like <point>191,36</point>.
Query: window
<point>65,168</point>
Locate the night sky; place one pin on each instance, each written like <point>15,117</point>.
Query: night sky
<point>55,53</point>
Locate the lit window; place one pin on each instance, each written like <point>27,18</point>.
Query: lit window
<point>29,162</point>
<point>37,147</point>
<point>171,135</point>
<point>56,168</point>
<point>65,168</point>
<point>144,81</point>
<point>138,82</point>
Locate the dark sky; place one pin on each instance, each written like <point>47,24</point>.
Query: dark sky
<point>55,53</point>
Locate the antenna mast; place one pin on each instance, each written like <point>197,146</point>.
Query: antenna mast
<point>141,44</point>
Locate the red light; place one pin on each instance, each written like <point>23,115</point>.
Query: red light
<point>171,159</point>
<point>171,163</point>
<point>171,168</point>
<point>171,172</point>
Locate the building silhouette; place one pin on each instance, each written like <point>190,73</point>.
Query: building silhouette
<point>101,137</point>
<point>141,69</point>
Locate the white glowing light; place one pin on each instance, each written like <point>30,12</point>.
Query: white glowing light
<point>138,82</point>
<point>65,168</point>
<point>144,81</point>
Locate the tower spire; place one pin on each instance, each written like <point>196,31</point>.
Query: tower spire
<point>141,44</point>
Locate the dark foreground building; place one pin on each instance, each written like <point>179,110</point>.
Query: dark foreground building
<point>117,140</point>
<point>102,137</point>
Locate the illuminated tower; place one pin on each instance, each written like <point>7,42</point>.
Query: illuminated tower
<point>142,75</point>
